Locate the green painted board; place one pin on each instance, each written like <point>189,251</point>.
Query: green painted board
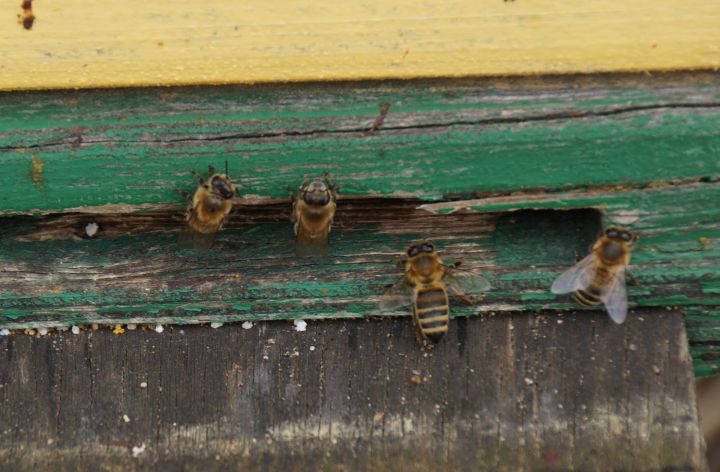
<point>439,139</point>
<point>512,177</point>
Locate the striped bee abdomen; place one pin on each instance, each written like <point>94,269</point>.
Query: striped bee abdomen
<point>590,296</point>
<point>431,312</point>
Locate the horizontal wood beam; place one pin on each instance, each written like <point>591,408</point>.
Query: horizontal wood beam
<point>518,392</point>
<point>65,44</point>
<point>126,150</point>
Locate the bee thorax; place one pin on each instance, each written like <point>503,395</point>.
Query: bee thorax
<point>612,252</point>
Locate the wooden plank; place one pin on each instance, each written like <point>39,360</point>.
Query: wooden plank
<point>132,148</point>
<point>133,272</point>
<point>644,154</point>
<point>563,392</point>
<point>69,45</point>
<point>703,327</point>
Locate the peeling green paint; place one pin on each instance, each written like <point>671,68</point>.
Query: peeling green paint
<point>650,153</point>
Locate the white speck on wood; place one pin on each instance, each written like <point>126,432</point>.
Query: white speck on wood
<point>137,451</point>
<point>91,229</point>
<point>300,325</point>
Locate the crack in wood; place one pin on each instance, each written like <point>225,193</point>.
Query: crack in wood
<point>77,141</point>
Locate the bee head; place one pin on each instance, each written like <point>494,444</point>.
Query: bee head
<point>419,248</point>
<point>222,186</point>
<point>617,243</point>
<point>316,193</point>
<point>620,235</point>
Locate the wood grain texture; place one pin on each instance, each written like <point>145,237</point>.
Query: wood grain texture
<point>133,148</point>
<point>133,271</point>
<point>571,392</point>
<point>644,153</point>
<point>71,44</point>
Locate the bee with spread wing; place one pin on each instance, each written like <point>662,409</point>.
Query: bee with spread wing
<point>426,285</point>
<point>600,277</point>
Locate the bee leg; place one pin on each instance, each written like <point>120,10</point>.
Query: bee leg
<point>631,279</point>
<point>197,175</point>
<point>330,184</point>
<point>184,194</point>
<point>577,256</point>
<point>419,337</point>
<point>466,298</point>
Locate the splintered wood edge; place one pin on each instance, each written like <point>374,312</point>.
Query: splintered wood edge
<point>547,199</point>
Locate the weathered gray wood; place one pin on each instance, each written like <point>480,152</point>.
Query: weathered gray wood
<point>511,392</point>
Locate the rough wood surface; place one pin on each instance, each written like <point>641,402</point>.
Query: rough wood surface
<point>503,393</point>
<point>132,271</point>
<point>126,150</point>
<point>66,44</point>
<point>642,152</point>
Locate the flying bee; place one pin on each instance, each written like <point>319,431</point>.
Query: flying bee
<point>313,210</point>
<point>426,285</point>
<point>600,277</point>
<point>208,209</point>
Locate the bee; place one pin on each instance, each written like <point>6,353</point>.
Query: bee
<point>600,277</point>
<point>426,285</point>
<point>209,207</point>
<point>313,210</point>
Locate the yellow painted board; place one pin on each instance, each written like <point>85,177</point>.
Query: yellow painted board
<point>76,43</point>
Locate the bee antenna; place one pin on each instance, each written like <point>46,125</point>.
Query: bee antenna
<point>226,169</point>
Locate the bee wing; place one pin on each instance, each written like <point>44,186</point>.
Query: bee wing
<point>313,244</point>
<point>462,281</point>
<point>400,294</point>
<point>575,278</point>
<point>615,298</point>
<point>312,247</point>
<point>201,242</point>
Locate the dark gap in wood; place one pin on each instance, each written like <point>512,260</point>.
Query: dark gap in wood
<point>543,230</point>
<point>394,215</point>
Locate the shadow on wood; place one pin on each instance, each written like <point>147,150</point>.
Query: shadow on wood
<point>511,392</point>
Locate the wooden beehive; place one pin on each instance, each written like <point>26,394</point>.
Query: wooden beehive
<point>514,176</point>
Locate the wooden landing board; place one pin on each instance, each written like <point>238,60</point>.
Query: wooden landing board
<point>69,44</point>
<point>506,393</point>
